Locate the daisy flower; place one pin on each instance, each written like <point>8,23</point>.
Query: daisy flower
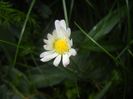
<point>58,45</point>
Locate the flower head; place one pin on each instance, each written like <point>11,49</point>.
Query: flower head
<point>58,45</point>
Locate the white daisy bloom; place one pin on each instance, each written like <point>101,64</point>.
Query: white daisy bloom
<point>58,45</point>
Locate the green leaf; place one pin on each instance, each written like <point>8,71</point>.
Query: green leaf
<point>103,91</point>
<point>19,82</point>
<point>109,47</point>
<point>49,75</point>
<point>6,93</point>
<point>95,42</point>
<point>107,23</point>
<point>6,35</point>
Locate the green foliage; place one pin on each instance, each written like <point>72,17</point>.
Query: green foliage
<point>102,36</point>
<point>107,23</point>
<point>44,76</point>
<point>9,15</point>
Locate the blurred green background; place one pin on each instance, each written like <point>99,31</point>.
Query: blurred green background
<point>102,31</point>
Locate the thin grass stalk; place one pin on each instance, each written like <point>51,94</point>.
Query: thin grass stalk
<point>90,38</point>
<point>22,32</point>
<point>65,12</point>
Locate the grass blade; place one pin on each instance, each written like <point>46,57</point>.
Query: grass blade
<point>103,91</point>
<point>107,23</point>
<point>22,32</point>
<point>65,12</point>
<point>90,38</point>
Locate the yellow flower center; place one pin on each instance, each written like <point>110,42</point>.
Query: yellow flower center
<point>61,46</point>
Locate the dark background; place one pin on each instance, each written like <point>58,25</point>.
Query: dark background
<point>102,68</point>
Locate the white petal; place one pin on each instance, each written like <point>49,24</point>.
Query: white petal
<point>57,25</point>
<point>45,54</point>
<point>49,57</point>
<point>49,36</point>
<point>47,47</point>
<point>54,33</point>
<point>60,31</point>
<point>68,32</point>
<point>50,41</point>
<point>72,52</point>
<point>45,41</point>
<point>63,24</point>
<point>57,60</point>
<point>65,60</point>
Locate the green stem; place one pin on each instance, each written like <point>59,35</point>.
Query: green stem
<point>22,32</point>
<point>15,89</point>
<point>130,52</point>
<point>71,8</point>
<point>65,12</point>
<point>11,44</point>
<point>125,49</point>
<point>90,38</point>
<point>129,20</point>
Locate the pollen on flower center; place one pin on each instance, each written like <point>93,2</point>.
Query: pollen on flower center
<point>61,46</point>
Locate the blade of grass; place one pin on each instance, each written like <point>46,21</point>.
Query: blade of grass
<point>77,89</point>
<point>130,52</point>
<point>122,52</point>
<point>14,45</point>
<point>15,89</point>
<point>34,61</point>
<point>104,26</point>
<point>129,20</point>
<point>22,32</point>
<point>103,91</point>
<point>11,44</point>
<point>65,12</point>
<point>71,8</point>
<point>125,49</point>
<point>90,4</point>
<point>90,38</point>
